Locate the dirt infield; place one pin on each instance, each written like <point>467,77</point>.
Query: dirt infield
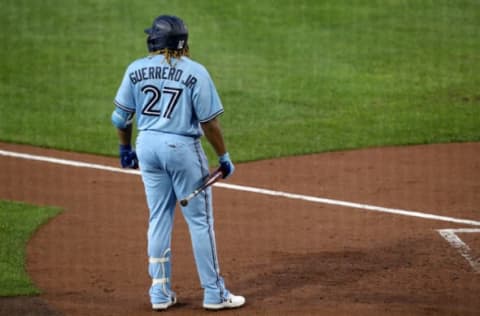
<point>289,255</point>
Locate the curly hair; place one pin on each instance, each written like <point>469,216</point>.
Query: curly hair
<point>172,53</point>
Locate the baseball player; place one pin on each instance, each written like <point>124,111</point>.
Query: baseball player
<point>175,102</point>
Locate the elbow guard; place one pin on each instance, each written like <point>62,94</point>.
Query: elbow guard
<point>122,119</point>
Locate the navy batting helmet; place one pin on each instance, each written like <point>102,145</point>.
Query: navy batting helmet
<point>167,31</point>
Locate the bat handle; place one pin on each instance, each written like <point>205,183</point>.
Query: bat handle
<point>210,181</point>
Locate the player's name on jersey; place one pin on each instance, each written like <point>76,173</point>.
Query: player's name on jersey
<point>163,73</point>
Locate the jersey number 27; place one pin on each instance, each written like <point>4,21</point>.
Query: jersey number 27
<point>156,95</point>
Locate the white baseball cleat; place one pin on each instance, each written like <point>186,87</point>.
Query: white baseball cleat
<point>233,301</point>
<point>164,306</point>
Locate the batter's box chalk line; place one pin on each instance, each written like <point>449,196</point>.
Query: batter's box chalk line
<point>451,236</point>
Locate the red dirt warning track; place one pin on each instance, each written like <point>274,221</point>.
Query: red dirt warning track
<point>287,256</point>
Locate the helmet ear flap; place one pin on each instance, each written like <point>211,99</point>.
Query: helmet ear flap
<point>150,44</point>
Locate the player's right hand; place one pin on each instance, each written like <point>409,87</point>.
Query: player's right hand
<point>226,165</point>
<point>128,157</point>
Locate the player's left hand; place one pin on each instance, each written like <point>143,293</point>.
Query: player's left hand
<point>128,157</point>
<point>226,165</point>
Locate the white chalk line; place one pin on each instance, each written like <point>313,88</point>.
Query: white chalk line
<point>350,204</point>
<point>66,162</point>
<point>465,251</point>
<point>287,195</point>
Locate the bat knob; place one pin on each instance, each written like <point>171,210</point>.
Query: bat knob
<point>183,202</point>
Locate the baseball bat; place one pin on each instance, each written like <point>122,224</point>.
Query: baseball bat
<point>210,180</point>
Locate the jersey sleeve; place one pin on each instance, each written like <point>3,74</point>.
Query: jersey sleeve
<point>124,98</point>
<point>206,101</point>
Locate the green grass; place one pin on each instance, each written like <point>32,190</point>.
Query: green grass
<point>295,77</point>
<point>17,223</point>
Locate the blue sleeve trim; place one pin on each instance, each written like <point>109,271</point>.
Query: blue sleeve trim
<point>123,107</point>
<point>211,117</point>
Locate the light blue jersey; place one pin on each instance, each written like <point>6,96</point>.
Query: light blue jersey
<point>168,98</point>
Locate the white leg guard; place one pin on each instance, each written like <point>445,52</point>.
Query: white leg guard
<point>160,271</point>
